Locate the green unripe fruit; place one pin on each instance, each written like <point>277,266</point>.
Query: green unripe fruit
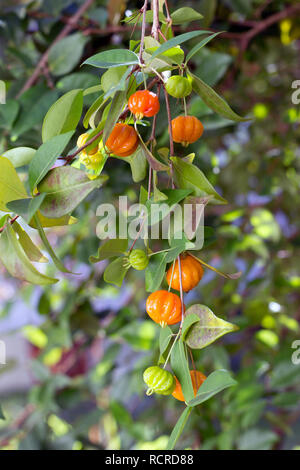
<point>138,260</point>
<point>159,381</point>
<point>178,86</point>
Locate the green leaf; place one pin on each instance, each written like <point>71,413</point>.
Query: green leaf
<point>189,176</point>
<point>95,106</point>
<point>189,320</point>
<point>208,329</point>
<point>213,100</point>
<point>110,249</point>
<point>155,272</point>
<point>115,272</point>
<point>20,156</point>
<point>115,110</point>
<point>165,336</point>
<point>65,54</point>
<point>180,368</point>
<point>185,15</point>
<point>178,429</point>
<point>215,383</point>
<point>49,248</point>
<point>138,165</point>
<point>65,188</point>
<point>176,41</point>
<point>9,112</point>
<point>17,262</point>
<point>155,164</point>
<point>47,222</point>
<point>26,208</point>
<point>45,157</point>
<point>63,116</point>
<point>31,250</point>
<point>113,58</point>
<point>11,187</point>
<point>199,46</point>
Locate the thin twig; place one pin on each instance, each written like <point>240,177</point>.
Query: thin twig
<point>11,221</point>
<point>155,25</point>
<point>64,32</point>
<point>70,158</point>
<point>144,9</point>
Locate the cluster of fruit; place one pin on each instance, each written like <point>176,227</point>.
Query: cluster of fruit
<point>165,308</point>
<point>123,140</point>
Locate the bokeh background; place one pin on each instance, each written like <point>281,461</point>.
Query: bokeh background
<point>76,350</point>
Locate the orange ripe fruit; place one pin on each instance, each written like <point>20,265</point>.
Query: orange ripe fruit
<point>191,273</point>
<point>164,307</point>
<point>123,140</point>
<point>143,103</point>
<point>197,380</point>
<point>186,129</point>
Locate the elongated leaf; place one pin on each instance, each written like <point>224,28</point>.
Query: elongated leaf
<point>26,208</point>
<point>65,188</point>
<point>45,157</point>
<point>113,58</point>
<point>180,367</point>
<point>185,15</point>
<point>208,329</point>
<point>55,222</point>
<point>199,46</point>
<point>49,248</point>
<point>115,272</point>
<point>110,249</point>
<point>17,262</point>
<point>216,382</point>
<point>213,100</point>
<point>155,164</point>
<point>63,116</point>
<point>31,250</point>
<point>165,337</point>
<point>66,53</point>
<point>177,40</point>
<point>116,108</point>
<point>138,165</point>
<point>95,106</point>
<point>189,176</point>
<point>179,427</point>
<point>20,156</point>
<point>11,187</point>
<point>155,272</point>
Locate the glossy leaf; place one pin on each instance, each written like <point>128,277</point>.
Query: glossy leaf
<point>199,46</point>
<point>208,329</point>
<point>47,222</point>
<point>113,58</point>
<point>31,250</point>
<point>11,187</point>
<point>26,208</point>
<point>181,38</point>
<point>180,368</point>
<point>165,336</point>
<point>216,382</point>
<point>155,272</point>
<point>20,156</point>
<point>63,116</point>
<point>213,100</point>
<point>45,157</point>
<point>110,249</point>
<point>185,15</point>
<point>17,262</point>
<point>115,272</point>
<point>189,320</point>
<point>65,188</point>
<point>189,176</point>
<point>138,165</point>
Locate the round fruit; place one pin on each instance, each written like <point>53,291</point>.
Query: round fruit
<point>123,140</point>
<point>81,141</point>
<point>159,381</point>
<point>138,260</point>
<point>178,86</point>
<point>164,307</point>
<point>186,129</point>
<point>191,273</point>
<point>143,103</point>
<point>197,380</point>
